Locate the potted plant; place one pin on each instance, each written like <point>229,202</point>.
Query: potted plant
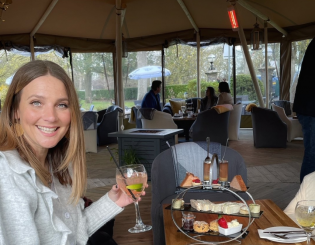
<point>130,157</point>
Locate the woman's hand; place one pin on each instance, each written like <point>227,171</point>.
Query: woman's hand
<point>120,198</point>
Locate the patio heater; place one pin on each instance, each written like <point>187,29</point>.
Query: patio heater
<point>232,17</point>
<point>256,37</point>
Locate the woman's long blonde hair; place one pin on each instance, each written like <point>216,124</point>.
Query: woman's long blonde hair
<point>69,150</point>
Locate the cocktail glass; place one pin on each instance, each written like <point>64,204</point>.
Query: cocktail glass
<point>305,216</point>
<point>132,183</point>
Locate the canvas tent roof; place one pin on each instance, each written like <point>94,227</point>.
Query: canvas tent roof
<point>88,26</point>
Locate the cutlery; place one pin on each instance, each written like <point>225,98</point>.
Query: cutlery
<point>282,232</point>
<point>286,237</point>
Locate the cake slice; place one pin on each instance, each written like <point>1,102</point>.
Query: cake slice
<point>188,180</point>
<point>238,183</point>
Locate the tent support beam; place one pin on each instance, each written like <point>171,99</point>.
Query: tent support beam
<point>198,66</point>
<point>249,61</point>
<point>266,62</point>
<point>182,4</point>
<point>244,4</point>
<point>120,87</point>
<point>39,24</point>
<point>234,72</point>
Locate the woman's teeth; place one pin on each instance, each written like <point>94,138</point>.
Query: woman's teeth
<point>46,130</point>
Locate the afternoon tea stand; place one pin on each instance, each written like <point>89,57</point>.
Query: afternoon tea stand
<point>198,237</point>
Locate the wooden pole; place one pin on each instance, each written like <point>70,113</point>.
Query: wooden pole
<point>266,62</point>
<point>120,86</point>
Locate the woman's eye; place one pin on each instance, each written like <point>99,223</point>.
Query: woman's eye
<point>63,106</point>
<point>36,103</point>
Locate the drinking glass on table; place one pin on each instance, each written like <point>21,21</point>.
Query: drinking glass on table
<point>183,108</point>
<point>132,183</point>
<point>305,216</point>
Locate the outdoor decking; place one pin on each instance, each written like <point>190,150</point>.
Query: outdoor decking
<point>272,174</point>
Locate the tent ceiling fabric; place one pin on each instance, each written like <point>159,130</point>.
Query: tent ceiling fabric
<point>90,25</point>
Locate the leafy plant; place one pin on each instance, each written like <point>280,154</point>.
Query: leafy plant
<point>130,157</point>
<point>245,86</point>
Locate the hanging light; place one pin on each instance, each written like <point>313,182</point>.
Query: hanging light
<point>232,17</point>
<point>4,5</point>
<point>256,37</point>
<point>124,47</point>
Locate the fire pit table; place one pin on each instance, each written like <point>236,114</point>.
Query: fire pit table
<point>148,143</point>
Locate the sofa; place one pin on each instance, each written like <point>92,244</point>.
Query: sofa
<point>168,109</point>
<point>269,130</point>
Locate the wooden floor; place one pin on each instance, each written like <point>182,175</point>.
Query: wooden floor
<point>272,174</point>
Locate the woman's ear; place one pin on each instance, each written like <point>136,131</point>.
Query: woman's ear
<point>17,114</point>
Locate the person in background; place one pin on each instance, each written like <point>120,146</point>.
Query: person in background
<point>43,163</point>
<point>306,192</point>
<point>304,106</point>
<point>225,96</point>
<point>152,98</point>
<point>210,100</point>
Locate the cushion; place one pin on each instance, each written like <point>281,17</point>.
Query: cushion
<point>176,105</point>
<point>250,106</point>
<point>223,108</point>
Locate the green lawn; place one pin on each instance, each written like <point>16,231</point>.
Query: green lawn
<point>100,105</point>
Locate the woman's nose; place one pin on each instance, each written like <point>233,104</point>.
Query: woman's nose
<point>50,114</point>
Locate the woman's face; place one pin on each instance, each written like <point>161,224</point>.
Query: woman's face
<point>208,92</point>
<point>44,112</point>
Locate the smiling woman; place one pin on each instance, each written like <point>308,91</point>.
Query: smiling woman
<point>42,163</point>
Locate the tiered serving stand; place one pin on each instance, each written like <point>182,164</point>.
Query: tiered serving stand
<point>198,237</point>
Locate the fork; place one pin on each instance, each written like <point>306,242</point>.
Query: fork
<point>285,236</point>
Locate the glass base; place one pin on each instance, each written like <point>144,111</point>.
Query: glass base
<point>140,228</point>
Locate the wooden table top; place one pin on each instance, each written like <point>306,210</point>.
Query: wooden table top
<point>272,216</point>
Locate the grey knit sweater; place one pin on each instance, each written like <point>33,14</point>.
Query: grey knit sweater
<point>29,214</point>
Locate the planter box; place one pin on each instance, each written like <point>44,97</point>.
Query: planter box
<point>148,143</point>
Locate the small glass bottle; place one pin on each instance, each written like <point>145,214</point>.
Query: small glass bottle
<point>207,165</point>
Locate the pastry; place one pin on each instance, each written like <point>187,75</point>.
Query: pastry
<point>196,182</point>
<point>254,208</point>
<point>177,203</point>
<point>231,208</point>
<point>215,186</point>
<point>201,205</point>
<point>214,226</point>
<point>201,226</point>
<point>238,183</point>
<point>244,209</point>
<point>188,179</point>
<point>217,207</point>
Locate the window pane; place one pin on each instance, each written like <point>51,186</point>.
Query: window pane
<point>245,91</point>
<point>138,84</point>
<point>94,80</point>
<point>10,62</point>
<point>297,55</point>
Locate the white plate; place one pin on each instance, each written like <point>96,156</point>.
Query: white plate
<point>270,237</point>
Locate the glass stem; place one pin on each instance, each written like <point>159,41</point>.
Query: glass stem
<point>138,217</point>
<point>308,237</point>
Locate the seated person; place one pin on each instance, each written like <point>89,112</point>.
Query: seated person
<point>210,100</point>
<point>306,192</point>
<point>152,98</point>
<point>225,94</point>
